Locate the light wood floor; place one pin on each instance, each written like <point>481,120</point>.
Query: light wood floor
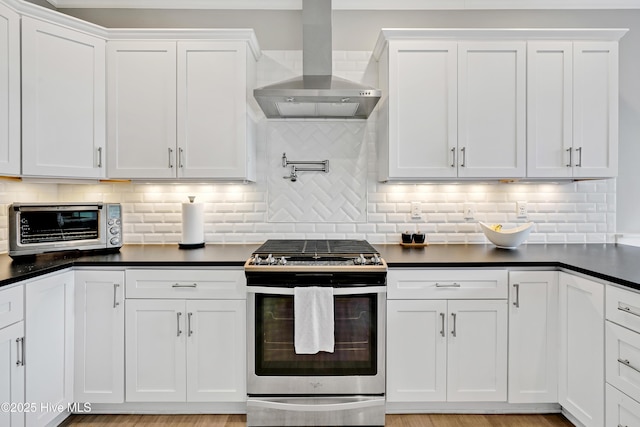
<point>432,420</point>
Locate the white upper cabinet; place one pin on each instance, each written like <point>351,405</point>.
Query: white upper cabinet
<point>63,101</point>
<point>491,109</point>
<point>492,104</point>
<point>9,91</point>
<point>178,109</point>
<point>572,109</point>
<point>141,109</point>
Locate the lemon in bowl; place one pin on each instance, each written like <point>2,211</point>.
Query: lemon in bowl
<point>506,238</point>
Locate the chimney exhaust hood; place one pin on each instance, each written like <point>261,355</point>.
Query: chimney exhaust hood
<point>317,93</point>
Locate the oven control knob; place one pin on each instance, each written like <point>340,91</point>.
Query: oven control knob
<point>375,260</point>
<point>257,260</point>
<point>114,241</point>
<point>111,222</point>
<point>114,230</point>
<point>361,260</point>
<point>271,260</point>
<point>282,261</point>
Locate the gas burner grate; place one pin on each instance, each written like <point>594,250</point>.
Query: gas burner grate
<point>310,247</point>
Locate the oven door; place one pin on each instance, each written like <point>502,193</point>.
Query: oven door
<point>357,365</point>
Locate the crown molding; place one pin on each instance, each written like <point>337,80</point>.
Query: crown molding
<point>351,4</point>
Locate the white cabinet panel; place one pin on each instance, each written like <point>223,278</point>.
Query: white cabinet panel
<point>447,284</point>
<point>533,338</point>
<point>11,305</point>
<point>155,351</point>
<point>581,368</point>
<point>416,350</point>
<point>9,91</point>
<point>622,411</point>
<point>12,373</point>
<point>63,101</point>
<point>491,109</point>
<point>141,109</point>
<point>99,336</point>
<point>216,350</point>
<point>477,351</point>
<point>48,345</point>
<point>422,103</point>
<point>623,359</point>
<point>595,124</point>
<point>187,284</point>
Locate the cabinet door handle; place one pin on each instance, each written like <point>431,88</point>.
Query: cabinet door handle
<point>570,157</point>
<point>170,158</point>
<point>178,323</point>
<point>20,351</point>
<point>463,150</point>
<point>453,157</point>
<point>99,157</point>
<point>189,331</point>
<point>516,302</point>
<point>627,310</point>
<point>579,150</point>
<point>628,364</point>
<point>115,295</point>
<point>184,285</point>
<point>453,329</point>
<point>180,155</point>
<point>442,320</point>
<point>447,285</point>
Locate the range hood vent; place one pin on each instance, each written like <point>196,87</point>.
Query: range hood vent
<point>317,93</point>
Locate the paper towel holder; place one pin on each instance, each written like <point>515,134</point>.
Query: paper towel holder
<point>191,245</point>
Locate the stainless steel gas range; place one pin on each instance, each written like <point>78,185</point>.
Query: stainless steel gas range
<point>340,388</point>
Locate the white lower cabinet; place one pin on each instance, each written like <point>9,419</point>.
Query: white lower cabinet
<point>179,350</point>
<point>49,347</point>
<point>12,355</point>
<point>99,336</point>
<point>622,411</point>
<point>533,337</point>
<point>446,350</point>
<point>581,368</point>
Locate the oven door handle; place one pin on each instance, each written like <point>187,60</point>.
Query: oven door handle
<point>315,407</point>
<point>336,291</point>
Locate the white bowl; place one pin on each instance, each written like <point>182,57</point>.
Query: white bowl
<point>507,239</point>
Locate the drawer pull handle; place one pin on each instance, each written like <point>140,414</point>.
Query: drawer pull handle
<point>184,285</point>
<point>442,320</point>
<point>628,364</point>
<point>517,301</point>
<point>627,310</point>
<point>447,285</point>
<point>178,323</point>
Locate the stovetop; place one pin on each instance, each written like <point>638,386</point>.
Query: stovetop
<point>323,248</point>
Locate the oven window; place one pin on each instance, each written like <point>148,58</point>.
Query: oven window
<point>43,226</point>
<point>355,338</point>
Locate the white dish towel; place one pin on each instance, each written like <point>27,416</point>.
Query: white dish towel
<point>313,319</point>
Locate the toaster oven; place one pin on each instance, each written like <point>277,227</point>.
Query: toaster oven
<point>36,228</point>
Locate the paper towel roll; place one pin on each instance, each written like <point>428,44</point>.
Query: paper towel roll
<point>192,223</point>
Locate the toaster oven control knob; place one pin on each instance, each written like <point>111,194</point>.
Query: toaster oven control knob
<point>111,222</point>
<point>114,230</point>
<point>114,241</point>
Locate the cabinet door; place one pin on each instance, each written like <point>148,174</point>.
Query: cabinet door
<point>416,350</point>
<point>533,338</point>
<point>63,101</point>
<point>155,350</point>
<point>141,109</point>
<point>549,109</point>
<point>216,351</point>
<point>581,368</point>
<point>12,373</point>
<point>9,91</point>
<point>477,351</point>
<point>99,336</point>
<point>422,109</point>
<point>622,411</point>
<point>49,345</point>
<point>595,116</point>
<point>212,116</point>
<point>491,109</point>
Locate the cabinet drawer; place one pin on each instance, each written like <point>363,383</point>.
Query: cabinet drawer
<point>622,362</point>
<point>623,307</point>
<point>447,284</point>
<point>621,410</point>
<point>186,284</point>
<point>11,305</point>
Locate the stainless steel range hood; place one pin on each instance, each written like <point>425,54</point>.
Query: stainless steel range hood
<point>317,93</point>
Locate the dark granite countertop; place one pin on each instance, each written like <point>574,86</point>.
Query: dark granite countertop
<point>615,263</point>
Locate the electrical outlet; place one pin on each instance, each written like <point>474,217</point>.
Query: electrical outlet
<point>521,209</point>
<point>469,210</point>
<point>416,210</point>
